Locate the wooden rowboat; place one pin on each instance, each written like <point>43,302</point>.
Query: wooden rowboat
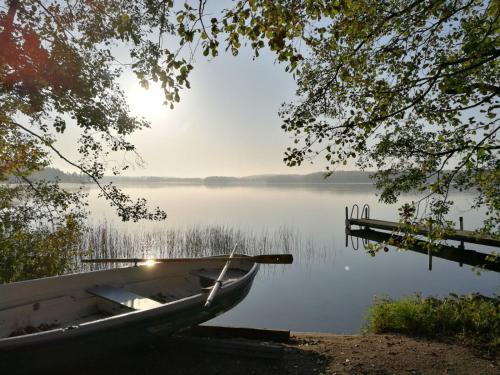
<point>106,309</point>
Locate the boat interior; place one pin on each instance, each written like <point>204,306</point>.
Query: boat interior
<point>65,301</point>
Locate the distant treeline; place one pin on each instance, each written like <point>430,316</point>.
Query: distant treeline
<point>312,178</point>
<point>52,174</point>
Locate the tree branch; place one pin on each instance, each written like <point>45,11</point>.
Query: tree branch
<point>79,167</point>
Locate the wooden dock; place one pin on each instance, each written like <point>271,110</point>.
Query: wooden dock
<point>233,341</point>
<point>225,332</point>
<point>457,235</point>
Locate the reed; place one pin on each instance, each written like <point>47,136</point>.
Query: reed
<point>106,240</point>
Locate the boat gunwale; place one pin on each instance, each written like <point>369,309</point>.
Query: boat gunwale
<point>99,271</point>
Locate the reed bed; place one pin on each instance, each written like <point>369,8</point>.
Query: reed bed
<point>106,240</point>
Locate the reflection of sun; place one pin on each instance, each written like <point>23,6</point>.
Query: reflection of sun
<point>149,263</point>
<point>147,102</point>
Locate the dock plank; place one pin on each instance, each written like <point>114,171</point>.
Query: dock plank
<point>277,335</point>
<point>231,347</point>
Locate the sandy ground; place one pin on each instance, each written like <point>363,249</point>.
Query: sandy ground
<point>389,354</point>
<point>305,353</point>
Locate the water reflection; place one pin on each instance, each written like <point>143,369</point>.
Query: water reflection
<point>329,287</point>
<point>455,254</point>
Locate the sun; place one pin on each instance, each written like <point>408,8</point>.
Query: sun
<point>148,103</point>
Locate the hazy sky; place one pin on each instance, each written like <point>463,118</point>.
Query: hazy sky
<point>226,124</point>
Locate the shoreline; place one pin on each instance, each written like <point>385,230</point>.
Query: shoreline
<point>305,353</point>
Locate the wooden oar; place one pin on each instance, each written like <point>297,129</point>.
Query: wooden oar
<point>263,259</point>
<point>218,282</point>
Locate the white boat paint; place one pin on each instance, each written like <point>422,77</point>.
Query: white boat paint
<point>68,307</point>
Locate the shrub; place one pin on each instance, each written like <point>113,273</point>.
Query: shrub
<point>38,252</point>
<point>470,318</point>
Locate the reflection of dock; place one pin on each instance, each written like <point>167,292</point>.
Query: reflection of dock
<point>455,254</point>
<point>457,235</point>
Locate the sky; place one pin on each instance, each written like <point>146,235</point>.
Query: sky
<point>227,124</point>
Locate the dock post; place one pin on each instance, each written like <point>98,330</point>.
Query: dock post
<point>429,252</point>
<point>347,226</point>
<point>461,247</point>
<point>461,221</point>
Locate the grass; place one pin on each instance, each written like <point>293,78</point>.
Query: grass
<point>473,319</point>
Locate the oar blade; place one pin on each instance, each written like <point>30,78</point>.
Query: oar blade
<point>273,259</point>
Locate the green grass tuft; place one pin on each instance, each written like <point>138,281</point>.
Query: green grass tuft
<point>471,318</point>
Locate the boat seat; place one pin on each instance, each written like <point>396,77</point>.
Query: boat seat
<point>231,274</point>
<point>208,275</point>
<point>123,297</point>
<point>205,274</point>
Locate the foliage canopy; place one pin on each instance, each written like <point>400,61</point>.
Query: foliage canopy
<point>408,88</point>
<point>59,70</point>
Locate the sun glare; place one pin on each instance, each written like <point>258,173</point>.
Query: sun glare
<point>150,263</point>
<point>147,102</point>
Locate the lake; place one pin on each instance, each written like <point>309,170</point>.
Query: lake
<point>330,285</point>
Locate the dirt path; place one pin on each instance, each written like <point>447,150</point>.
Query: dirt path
<point>388,354</point>
<point>306,354</point>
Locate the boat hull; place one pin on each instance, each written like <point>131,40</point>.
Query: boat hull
<point>93,341</point>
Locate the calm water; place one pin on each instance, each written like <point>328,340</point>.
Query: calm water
<point>330,286</point>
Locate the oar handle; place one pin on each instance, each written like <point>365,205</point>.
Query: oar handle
<point>218,283</point>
